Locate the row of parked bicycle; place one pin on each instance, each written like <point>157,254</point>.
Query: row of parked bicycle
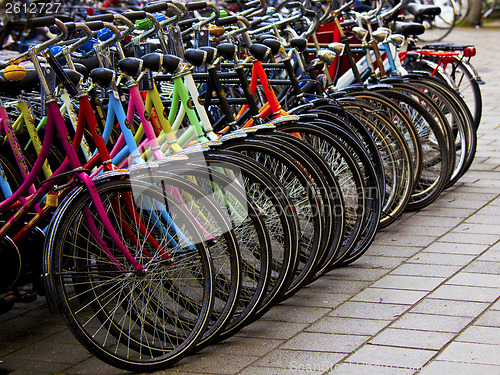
<point>162,199</point>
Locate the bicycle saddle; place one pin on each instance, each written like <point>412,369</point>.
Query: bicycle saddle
<point>82,69</point>
<point>211,54</point>
<point>273,44</point>
<point>259,51</point>
<point>102,76</point>
<point>196,57</point>
<point>152,61</point>
<point>299,43</point>
<point>171,63</point>
<point>226,50</point>
<point>131,66</point>
<point>419,10</point>
<point>73,76</point>
<point>408,28</point>
<point>29,83</point>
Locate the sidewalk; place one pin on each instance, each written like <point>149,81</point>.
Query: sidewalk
<point>423,300</point>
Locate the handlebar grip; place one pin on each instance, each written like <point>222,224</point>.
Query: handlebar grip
<point>101,17</point>
<point>95,25</point>
<point>251,4</point>
<point>226,21</point>
<point>256,22</point>
<point>319,2</point>
<point>69,25</point>
<point>132,16</point>
<point>41,21</point>
<point>196,5</point>
<point>156,7</point>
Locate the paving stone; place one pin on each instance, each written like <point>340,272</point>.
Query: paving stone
<point>465,293</point>
<point>408,282</point>
<point>366,310</point>
<point>490,256</point>
<point>407,338</point>
<point>391,356</point>
<point>478,266</point>
<point>392,251</point>
<point>471,353</point>
<point>10,365</point>
<point>429,221</point>
<point>293,360</point>
<point>295,314</point>
<point>363,369</point>
<point>450,307</point>
<point>268,329</point>
<point>451,202</point>
<point>349,326</point>
<point>481,335</point>
<point>455,248</point>
<point>96,366</point>
<point>496,305</point>
<point>321,342</point>
<point>403,239</point>
<point>475,279</point>
<point>213,363</point>
<point>354,273</point>
<point>325,285</point>
<point>46,350</point>
<point>470,238</point>
<point>478,228</point>
<point>236,345</point>
<point>405,297</point>
<point>253,370</point>
<point>437,323</point>
<point>446,259</point>
<point>483,219</point>
<point>491,318</point>
<point>416,230</point>
<point>311,297</point>
<point>426,270</point>
<point>461,213</point>
<point>454,368</point>
<point>375,261</point>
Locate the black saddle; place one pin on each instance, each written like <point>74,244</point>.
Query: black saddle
<point>408,28</point>
<point>299,43</point>
<point>102,76</point>
<point>259,51</point>
<point>226,50</point>
<point>273,44</point>
<point>131,66</point>
<point>211,54</point>
<point>419,10</point>
<point>196,57</point>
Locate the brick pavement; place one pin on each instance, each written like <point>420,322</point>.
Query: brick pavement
<point>423,300</point>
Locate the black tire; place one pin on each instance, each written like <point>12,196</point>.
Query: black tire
<point>115,314</point>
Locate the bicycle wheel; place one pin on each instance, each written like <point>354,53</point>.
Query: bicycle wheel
<point>459,118</point>
<point>460,75</point>
<point>358,184</point>
<point>247,223</point>
<point>279,217</point>
<point>435,166</point>
<point>395,155</point>
<point>238,228</point>
<point>139,321</point>
<point>303,184</point>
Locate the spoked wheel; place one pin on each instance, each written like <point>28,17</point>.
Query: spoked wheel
<point>135,320</point>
